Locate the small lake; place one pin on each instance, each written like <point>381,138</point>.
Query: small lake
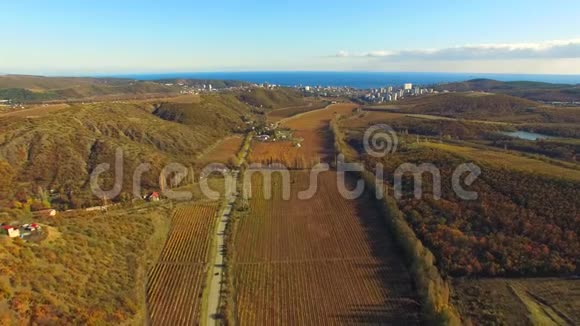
<point>527,135</point>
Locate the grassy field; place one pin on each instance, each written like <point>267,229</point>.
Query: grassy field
<point>20,88</point>
<point>271,99</point>
<point>283,152</point>
<point>574,141</point>
<point>319,118</point>
<point>34,111</point>
<point>493,107</point>
<point>530,90</point>
<point>538,301</point>
<point>368,118</point>
<point>90,270</point>
<point>224,151</point>
<point>376,114</point>
<point>434,117</point>
<point>310,131</point>
<point>279,114</point>
<point>507,160</point>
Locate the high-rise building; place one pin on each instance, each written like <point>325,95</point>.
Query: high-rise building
<point>390,89</point>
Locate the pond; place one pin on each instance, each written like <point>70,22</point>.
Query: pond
<point>527,135</point>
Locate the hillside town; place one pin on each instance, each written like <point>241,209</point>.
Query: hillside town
<point>372,95</point>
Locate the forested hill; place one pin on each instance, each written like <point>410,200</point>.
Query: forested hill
<point>536,91</point>
<point>469,105</point>
<point>58,149</point>
<point>23,88</point>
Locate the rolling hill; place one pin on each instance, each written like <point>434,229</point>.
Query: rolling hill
<point>491,107</point>
<point>260,97</point>
<point>21,88</point>
<point>469,105</point>
<point>536,91</point>
<point>59,150</point>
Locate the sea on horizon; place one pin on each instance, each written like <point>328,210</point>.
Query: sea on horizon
<point>352,79</point>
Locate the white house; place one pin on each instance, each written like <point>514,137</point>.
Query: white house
<point>11,231</point>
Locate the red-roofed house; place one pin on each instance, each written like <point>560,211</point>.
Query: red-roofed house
<point>11,231</point>
<point>154,196</point>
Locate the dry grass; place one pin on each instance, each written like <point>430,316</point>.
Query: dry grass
<point>371,117</point>
<point>315,138</point>
<point>277,115</point>
<point>89,271</point>
<point>508,161</point>
<point>521,301</point>
<point>35,111</point>
<point>318,119</point>
<point>284,152</point>
<point>225,151</point>
<point>435,117</point>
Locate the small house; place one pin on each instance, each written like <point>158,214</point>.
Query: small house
<point>154,196</point>
<point>46,213</point>
<point>31,227</point>
<point>263,137</point>
<point>11,231</point>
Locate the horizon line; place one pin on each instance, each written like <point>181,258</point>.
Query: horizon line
<point>135,73</point>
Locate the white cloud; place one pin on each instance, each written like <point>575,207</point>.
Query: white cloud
<point>557,49</point>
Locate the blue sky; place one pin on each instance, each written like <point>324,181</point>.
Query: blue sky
<point>80,37</point>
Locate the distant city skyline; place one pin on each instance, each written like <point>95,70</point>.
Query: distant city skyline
<point>113,37</point>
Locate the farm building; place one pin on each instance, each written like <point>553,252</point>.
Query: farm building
<point>154,196</point>
<point>31,227</point>
<point>46,212</point>
<point>11,231</point>
<point>263,137</point>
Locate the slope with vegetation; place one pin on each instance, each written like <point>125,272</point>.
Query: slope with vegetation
<point>271,99</point>
<point>90,270</point>
<point>58,151</point>
<point>19,88</point>
<point>488,120</point>
<point>506,231</point>
<point>523,224</point>
<point>537,91</point>
<point>467,106</point>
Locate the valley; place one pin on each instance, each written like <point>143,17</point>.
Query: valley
<point>286,259</point>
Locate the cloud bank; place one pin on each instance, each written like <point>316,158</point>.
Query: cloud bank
<point>557,49</point>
